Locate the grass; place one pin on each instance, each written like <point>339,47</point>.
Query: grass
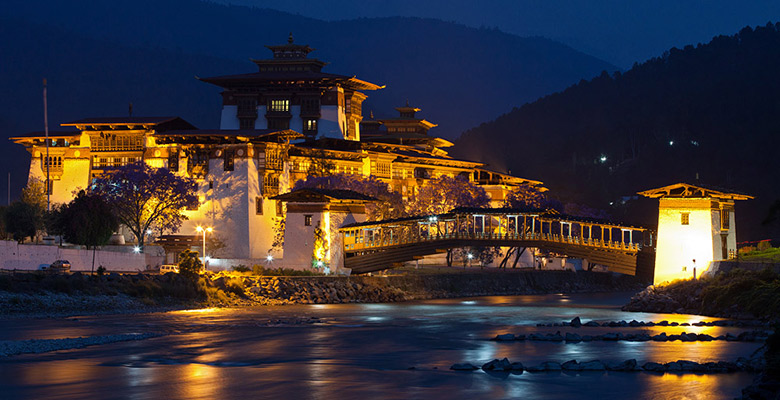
<point>771,254</point>
<point>755,292</point>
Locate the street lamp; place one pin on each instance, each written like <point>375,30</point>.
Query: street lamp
<point>204,230</point>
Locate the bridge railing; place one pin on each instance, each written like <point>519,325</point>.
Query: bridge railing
<point>415,237</point>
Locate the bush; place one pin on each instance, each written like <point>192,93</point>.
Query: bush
<point>189,264</point>
<point>262,271</point>
<point>764,245</point>
<point>240,268</point>
<point>101,270</point>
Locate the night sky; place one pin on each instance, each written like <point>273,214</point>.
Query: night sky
<point>619,31</point>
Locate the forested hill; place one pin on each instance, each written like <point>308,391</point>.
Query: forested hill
<point>711,110</point>
<point>101,55</point>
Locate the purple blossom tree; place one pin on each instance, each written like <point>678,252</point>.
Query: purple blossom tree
<point>146,198</point>
<point>528,197</point>
<point>440,195</point>
<point>390,204</point>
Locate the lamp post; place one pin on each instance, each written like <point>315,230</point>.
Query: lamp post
<point>204,230</point>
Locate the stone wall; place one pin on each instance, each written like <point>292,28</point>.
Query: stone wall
<point>718,267</point>
<point>33,256</point>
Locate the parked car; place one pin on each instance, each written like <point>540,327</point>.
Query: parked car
<point>59,266</point>
<point>164,269</point>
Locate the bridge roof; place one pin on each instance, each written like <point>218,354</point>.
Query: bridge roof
<point>686,190</point>
<point>549,213</point>
<point>314,195</point>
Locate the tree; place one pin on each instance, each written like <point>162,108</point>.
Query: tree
<point>525,197</point>
<point>440,195</point>
<point>189,264</point>
<point>87,220</point>
<point>22,220</point>
<point>390,204</point>
<point>25,218</point>
<point>147,198</point>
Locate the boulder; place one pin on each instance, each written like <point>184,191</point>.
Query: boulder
<point>573,337</point>
<point>594,365</point>
<point>592,323</point>
<point>571,365</point>
<point>673,366</point>
<point>628,365</point>
<point>497,365</point>
<point>653,367</point>
<point>576,323</point>
<point>463,367</point>
<point>504,338</point>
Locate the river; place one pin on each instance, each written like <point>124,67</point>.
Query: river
<point>366,351</point>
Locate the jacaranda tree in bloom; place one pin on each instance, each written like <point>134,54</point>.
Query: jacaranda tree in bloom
<point>146,198</point>
<point>390,204</point>
<point>440,195</point>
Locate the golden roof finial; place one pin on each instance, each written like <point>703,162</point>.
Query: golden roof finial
<point>290,39</point>
<point>372,114</point>
<point>407,102</point>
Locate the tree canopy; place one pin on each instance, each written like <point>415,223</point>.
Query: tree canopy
<point>390,204</point>
<point>442,194</point>
<point>87,220</point>
<point>146,198</point>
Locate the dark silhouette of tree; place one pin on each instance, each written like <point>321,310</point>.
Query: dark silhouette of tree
<point>145,198</point>
<point>440,195</point>
<point>190,264</point>
<point>87,220</point>
<point>22,220</point>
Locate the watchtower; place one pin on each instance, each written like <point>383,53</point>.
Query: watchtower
<point>696,225</point>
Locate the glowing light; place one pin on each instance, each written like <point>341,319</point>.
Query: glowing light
<point>470,256</point>
<point>671,143</point>
<point>603,158</point>
<point>269,258</point>
<point>148,231</point>
<point>320,264</point>
<point>136,249</point>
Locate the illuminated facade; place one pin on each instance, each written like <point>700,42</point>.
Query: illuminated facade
<point>287,121</point>
<point>696,225</point>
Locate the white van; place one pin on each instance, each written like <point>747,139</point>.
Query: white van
<point>164,269</point>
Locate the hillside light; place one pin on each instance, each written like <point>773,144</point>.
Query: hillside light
<point>203,230</point>
<point>671,143</point>
<point>603,158</point>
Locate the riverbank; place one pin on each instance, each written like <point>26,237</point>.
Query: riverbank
<point>737,293</point>
<point>44,295</point>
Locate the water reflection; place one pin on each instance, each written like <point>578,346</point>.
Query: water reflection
<point>365,350</point>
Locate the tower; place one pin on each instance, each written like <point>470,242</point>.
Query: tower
<point>696,225</point>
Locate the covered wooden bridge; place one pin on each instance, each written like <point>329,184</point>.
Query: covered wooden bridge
<point>378,245</point>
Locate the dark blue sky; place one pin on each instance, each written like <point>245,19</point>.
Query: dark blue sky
<point>619,31</point>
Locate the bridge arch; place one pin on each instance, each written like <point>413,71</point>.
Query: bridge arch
<point>377,245</point>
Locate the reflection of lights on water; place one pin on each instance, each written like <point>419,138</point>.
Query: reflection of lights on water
<point>376,318</point>
<point>199,310</point>
<point>468,302</point>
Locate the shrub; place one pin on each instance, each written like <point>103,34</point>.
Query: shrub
<point>764,245</point>
<point>101,270</point>
<point>189,264</point>
<point>240,268</point>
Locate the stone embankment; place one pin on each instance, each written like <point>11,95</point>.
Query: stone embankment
<point>380,289</point>
<point>41,294</point>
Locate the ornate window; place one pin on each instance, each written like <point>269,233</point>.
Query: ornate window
<point>259,205</point>
<point>280,105</point>
<point>229,160</point>
<point>685,218</point>
<point>114,142</point>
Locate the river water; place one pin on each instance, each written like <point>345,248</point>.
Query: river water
<point>366,351</point>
